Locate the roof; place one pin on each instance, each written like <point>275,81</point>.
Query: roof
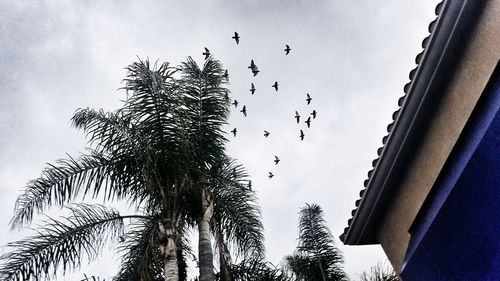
<point>441,50</point>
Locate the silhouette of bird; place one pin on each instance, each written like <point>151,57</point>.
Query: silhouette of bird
<point>297,116</point>
<point>309,99</point>
<point>252,64</point>
<point>287,50</point>
<point>276,160</point>
<point>234,132</point>
<point>252,89</point>
<point>308,122</point>
<point>266,134</point>
<point>255,70</point>
<point>235,102</point>
<point>226,74</point>
<point>244,110</point>
<point>206,53</point>
<point>275,85</point>
<point>270,175</point>
<point>314,114</point>
<point>301,135</point>
<point>236,37</point>
<point>250,185</point>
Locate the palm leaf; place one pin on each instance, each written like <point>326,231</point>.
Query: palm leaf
<point>62,182</point>
<point>60,244</point>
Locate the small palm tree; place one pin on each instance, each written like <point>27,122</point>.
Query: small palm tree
<point>163,152</point>
<point>316,257</point>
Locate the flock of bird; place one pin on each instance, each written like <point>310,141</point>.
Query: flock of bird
<point>255,70</point>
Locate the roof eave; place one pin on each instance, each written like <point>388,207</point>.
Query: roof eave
<point>442,50</point>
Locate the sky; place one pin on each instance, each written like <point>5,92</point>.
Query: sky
<point>352,57</point>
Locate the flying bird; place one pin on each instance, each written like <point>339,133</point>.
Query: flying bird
<point>255,70</point>
<point>297,116</point>
<point>252,64</point>
<point>234,132</point>
<point>236,37</point>
<point>250,185</point>
<point>301,135</point>
<point>275,85</point>
<point>252,89</point>
<point>266,134</point>
<point>287,50</point>
<point>308,122</point>
<point>244,110</point>
<point>235,102</point>
<point>309,99</point>
<point>226,74</point>
<point>276,160</point>
<point>314,114</point>
<point>206,53</point>
<point>270,175</point>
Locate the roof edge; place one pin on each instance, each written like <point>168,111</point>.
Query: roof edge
<point>443,48</point>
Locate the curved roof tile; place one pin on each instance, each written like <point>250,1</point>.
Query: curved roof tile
<point>401,100</point>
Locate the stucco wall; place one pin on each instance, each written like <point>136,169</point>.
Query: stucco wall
<point>469,81</point>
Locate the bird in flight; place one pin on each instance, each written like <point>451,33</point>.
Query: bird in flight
<point>297,116</point>
<point>252,89</point>
<point>276,160</point>
<point>314,114</point>
<point>206,53</point>
<point>250,185</point>
<point>309,99</point>
<point>266,134</point>
<point>287,50</point>
<point>235,102</point>
<point>270,175</point>
<point>255,70</point>
<point>275,85</point>
<point>301,135</point>
<point>226,74</point>
<point>234,132</point>
<point>244,110</point>
<point>236,37</point>
<point>252,64</point>
<point>308,122</point>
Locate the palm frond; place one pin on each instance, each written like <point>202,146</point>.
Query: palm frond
<point>379,272</point>
<point>206,110</point>
<point>141,259</point>
<point>236,211</point>
<point>60,244</point>
<point>62,182</point>
<point>256,270</point>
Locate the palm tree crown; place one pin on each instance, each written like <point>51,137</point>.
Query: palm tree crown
<point>164,154</point>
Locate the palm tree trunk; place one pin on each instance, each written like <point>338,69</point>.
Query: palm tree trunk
<point>168,238</point>
<point>224,258</point>
<point>206,258</point>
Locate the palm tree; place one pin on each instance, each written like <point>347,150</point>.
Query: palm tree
<point>316,257</point>
<point>163,152</point>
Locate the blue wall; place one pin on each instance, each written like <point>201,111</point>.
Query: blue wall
<point>457,235</point>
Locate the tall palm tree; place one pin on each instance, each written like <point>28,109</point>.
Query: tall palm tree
<point>316,257</point>
<point>163,152</point>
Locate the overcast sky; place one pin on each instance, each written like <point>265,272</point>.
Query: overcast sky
<point>352,57</point>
